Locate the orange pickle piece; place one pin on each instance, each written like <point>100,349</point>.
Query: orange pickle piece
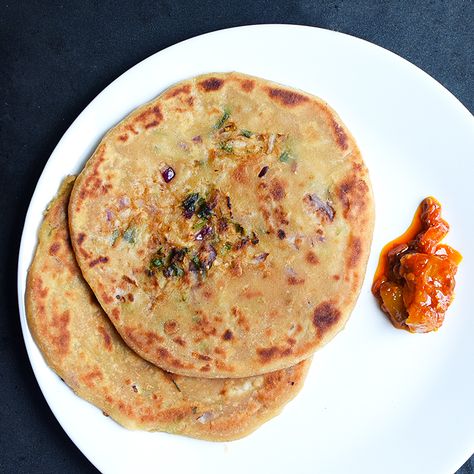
<point>414,281</point>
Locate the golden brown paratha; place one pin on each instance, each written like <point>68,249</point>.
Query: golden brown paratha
<point>225,226</point>
<point>81,345</point>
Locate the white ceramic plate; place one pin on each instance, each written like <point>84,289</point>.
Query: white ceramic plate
<point>376,399</point>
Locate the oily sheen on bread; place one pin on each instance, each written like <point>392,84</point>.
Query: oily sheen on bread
<point>81,345</point>
<point>225,226</point>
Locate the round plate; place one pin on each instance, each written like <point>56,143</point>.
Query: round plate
<point>376,399</point>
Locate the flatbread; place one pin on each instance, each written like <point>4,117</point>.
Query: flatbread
<point>82,347</point>
<point>225,226</point>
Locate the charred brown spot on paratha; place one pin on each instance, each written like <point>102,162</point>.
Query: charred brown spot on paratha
<point>227,336</point>
<point>200,356</point>
<point>150,118</point>
<point>207,293</point>
<point>294,279</point>
<point>125,408</point>
<point>325,316</point>
<point>163,354</point>
<point>251,294</point>
<point>106,298</point>
<point>173,414</point>
<point>116,314</point>
<point>352,192</point>
<point>311,258</point>
<point>280,215</point>
<point>354,254</point>
<point>286,97</point>
<point>39,290</point>
<point>220,351</point>
<point>185,89</point>
<point>98,260</point>
<point>148,340</point>
<point>80,248</point>
<point>92,377</point>
<point>106,337</point>
<point>167,417</point>
<point>157,398</point>
<point>204,325</point>
<point>123,137</point>
<point>223,366</point>
<point>211,84</point>
<point>247,85</point>
<point>270,199</point>
<point>277,190</point>
<point>53,250</point>
<point>180,341</point>
<point>131,128</point>
<point>240,174</point>
<point>80,238</point>
<point>341,136</point>
<point>58,333</point>
<point>270,383</point>
<point>93,184</point>
<point>336,277</point>
<point>223,392</point>
<point>242,321</point>
<point>266,354</point>
<point>41,311</point>
<point>129,280</point>
<point>171,327</point>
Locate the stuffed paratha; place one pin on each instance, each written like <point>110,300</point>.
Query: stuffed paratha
<point>81,345</point>
<point>225,226</point>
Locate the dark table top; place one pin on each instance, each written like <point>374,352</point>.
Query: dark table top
<point>58,55</point>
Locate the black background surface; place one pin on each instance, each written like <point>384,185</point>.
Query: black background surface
<point>57,56</point>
